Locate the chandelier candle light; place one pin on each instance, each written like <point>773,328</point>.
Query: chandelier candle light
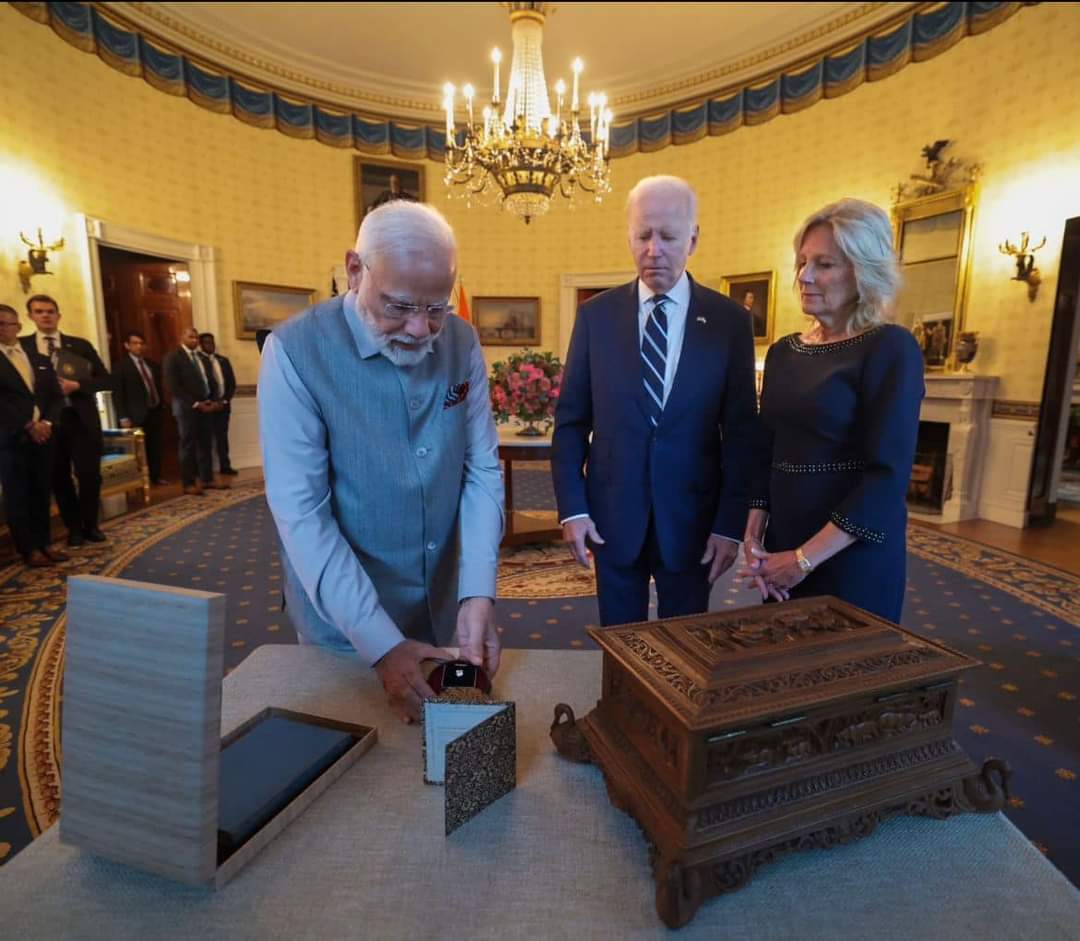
<point>524,151</point>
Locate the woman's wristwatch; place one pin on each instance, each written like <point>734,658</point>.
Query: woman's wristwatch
<point>804,563</point>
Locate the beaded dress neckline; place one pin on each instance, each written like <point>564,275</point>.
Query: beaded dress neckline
<point>813,349</point>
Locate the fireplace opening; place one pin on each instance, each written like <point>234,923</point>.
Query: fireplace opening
<point>928,487</point>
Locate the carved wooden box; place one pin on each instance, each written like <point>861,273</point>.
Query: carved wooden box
<point>735,737</point>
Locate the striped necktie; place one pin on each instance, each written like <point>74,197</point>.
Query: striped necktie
<point>654,357</point>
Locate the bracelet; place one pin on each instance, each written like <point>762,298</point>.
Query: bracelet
<point>804,563</point>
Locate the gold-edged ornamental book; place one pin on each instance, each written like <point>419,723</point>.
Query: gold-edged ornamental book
<point>736,737</point>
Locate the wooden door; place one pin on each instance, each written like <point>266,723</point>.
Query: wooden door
<point>584,294</point>
<point>1061,368</point>
<point>153,296</point>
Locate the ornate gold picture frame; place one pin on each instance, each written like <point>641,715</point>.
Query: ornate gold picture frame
<point>756,294</point>
<point>933,241</point>
<point>263,306</point>
<point>381,181</point>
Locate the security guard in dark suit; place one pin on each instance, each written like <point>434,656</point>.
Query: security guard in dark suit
<point>139,402</point>
<point>77,435</point>
<point>29,407</point>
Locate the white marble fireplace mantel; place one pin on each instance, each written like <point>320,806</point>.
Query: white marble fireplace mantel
<point>964,402</point>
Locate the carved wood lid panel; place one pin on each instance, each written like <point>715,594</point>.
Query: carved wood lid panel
<point>718,669</point>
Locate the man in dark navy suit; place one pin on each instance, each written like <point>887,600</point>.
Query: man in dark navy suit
<point>29,408</point>
<point>139,402</point>
<point>184,372</point>
<point>219,373</point>
<point>78,442</point>
<point>654,423</point>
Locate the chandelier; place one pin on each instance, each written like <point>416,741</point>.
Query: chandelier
<point>523,153</point>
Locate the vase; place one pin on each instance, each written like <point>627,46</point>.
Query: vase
<point>530,430</point>
<point>967,345</point>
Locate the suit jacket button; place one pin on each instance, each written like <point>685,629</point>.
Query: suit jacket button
<point>431,547</point>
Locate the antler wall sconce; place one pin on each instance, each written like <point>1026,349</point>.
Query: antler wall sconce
<point>36,259</point>
<point>1025,262</point>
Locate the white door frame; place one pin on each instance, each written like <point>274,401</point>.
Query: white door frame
<point>568,286</point>
<point>201,261</point>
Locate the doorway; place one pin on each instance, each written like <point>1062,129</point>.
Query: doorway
<point>151,295</point>
<point>1055,477</point>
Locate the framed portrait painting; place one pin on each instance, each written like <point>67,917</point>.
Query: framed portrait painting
<point>263,306</point>
<point>507,321</point>
<point>756,294</point>
<point>380,181</point>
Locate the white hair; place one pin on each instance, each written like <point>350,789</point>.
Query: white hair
<point>863,233</point>
<point>401,228</point>
<point>673,185</point>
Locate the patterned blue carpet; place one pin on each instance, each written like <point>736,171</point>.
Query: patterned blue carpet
<point>1019,617</point>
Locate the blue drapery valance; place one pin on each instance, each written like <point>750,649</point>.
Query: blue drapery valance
<point>924,32</point>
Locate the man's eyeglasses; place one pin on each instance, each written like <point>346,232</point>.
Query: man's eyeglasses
<point>399,311</point>
<point>402,312</point>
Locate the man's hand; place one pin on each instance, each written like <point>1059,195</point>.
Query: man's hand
<point>67,386</point>
<point>39,431</point>
<point>476,634</point>
<point>721,553</point>
<point>125,422</point>
<point>574,533</point>
<point>406,687</point>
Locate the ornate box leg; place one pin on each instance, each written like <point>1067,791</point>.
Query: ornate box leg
<point>678,893</point>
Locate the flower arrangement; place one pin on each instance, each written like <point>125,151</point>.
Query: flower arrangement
<point>526,386</point>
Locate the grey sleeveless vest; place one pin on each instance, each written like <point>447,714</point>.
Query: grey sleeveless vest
<point>397,457</point>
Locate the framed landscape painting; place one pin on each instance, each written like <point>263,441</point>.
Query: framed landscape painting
<point>263,306</point>
<point>507,321</point>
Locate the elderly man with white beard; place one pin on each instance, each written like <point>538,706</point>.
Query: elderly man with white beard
<point>381,461</point>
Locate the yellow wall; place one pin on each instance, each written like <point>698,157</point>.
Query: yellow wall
<point>78,136</point>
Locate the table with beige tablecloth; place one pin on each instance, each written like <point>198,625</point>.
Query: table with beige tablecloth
<point>551,860</point>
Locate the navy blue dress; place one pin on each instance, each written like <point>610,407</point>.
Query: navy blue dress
<point>839,424</point>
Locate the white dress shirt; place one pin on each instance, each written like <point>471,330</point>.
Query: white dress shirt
<point>219,377</point>
<point>296,464</point>
<point>42,346</point>
<point>676,307</point>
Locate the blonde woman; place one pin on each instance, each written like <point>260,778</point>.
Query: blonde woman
<point>839,420</point>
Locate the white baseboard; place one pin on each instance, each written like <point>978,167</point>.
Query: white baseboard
<point>1007,515</point>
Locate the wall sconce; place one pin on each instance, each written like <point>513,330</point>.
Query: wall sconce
<point>1025,262</point>
<point>37,259</point>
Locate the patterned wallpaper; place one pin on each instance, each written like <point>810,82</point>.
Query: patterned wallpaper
<point>280,210</point>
